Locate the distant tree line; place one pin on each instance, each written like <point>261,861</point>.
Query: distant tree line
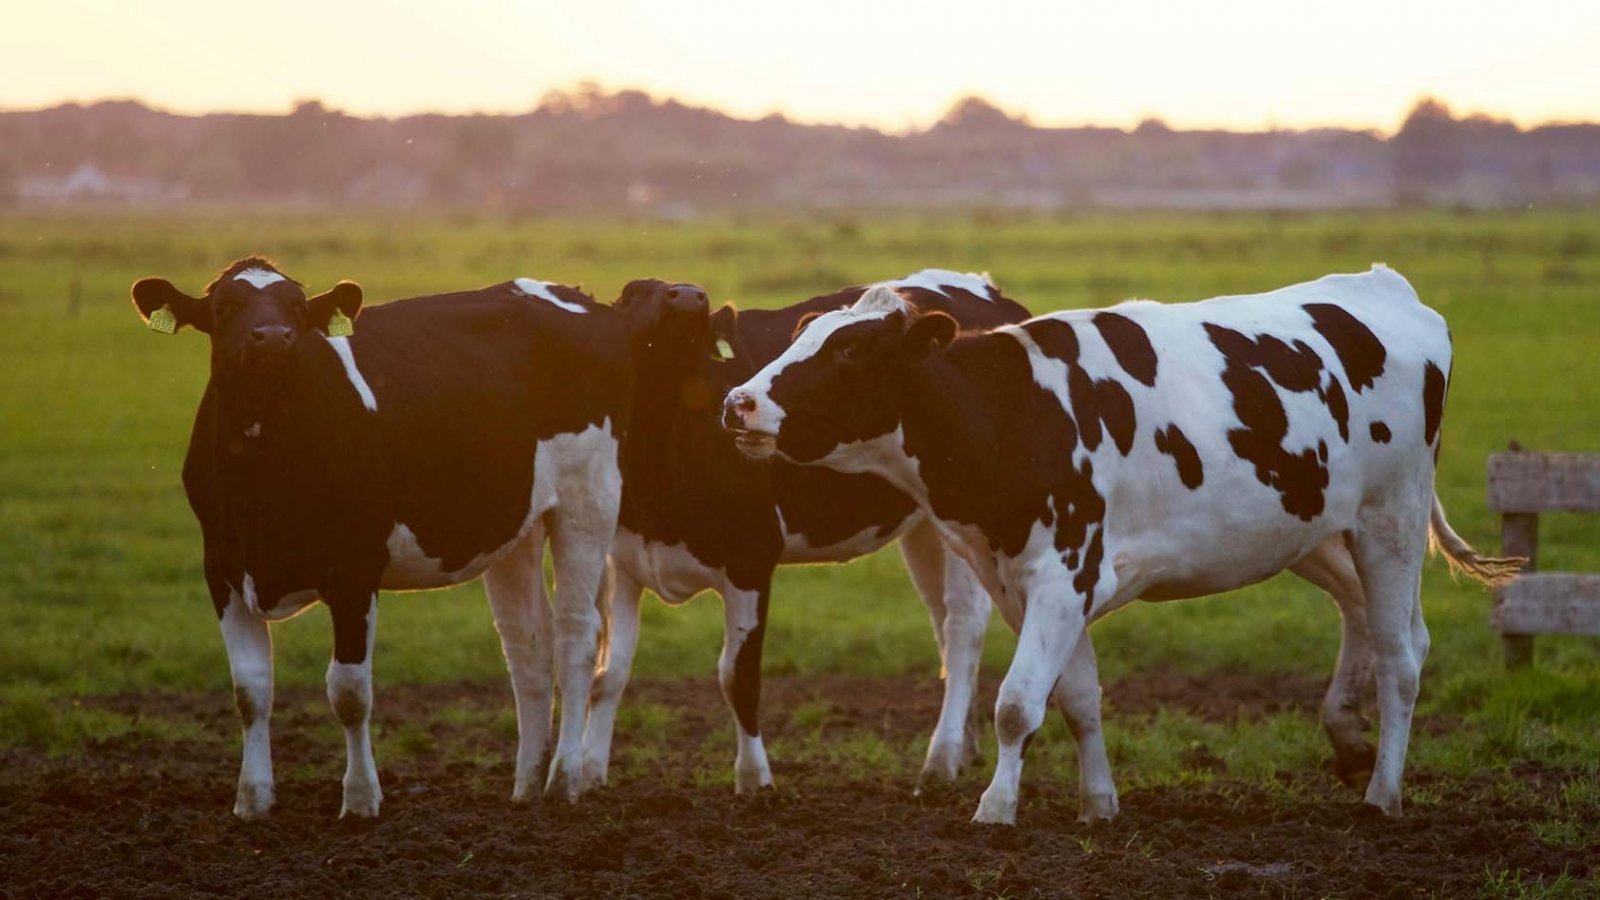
<point>590,149</point>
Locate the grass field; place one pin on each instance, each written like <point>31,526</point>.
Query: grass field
<point>100,580</point>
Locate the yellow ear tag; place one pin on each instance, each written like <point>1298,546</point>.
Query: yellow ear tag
<point>339,325</point>
<point>724,350</point>
<point>163,320</point>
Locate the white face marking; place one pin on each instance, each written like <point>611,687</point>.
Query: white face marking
<point>877,303</point>
<point>259,278</point>
<point>341,346</point>
<point>541,289</point>
<point>253,431</point>
<point>937,280</point>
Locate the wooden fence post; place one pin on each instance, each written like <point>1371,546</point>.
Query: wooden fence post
<point>1519,536</point>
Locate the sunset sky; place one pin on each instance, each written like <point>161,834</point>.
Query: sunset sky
<point>896,65</point>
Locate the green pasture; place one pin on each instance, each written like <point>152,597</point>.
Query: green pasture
<point>100,576</point>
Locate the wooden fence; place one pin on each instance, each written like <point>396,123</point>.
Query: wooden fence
<point>1521,486</point>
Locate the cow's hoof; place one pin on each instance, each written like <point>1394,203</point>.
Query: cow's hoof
<point>1354,765</point>
<point>751,782</point>
<point>996,810</point>
<point>943,765</point>
<point>361,802</point>
<point>940,772</point>
<point>565,782</point>
<point>253,801</point>
<point>1377,802</point>
<point>595,772</point>
<point>1094,808</point>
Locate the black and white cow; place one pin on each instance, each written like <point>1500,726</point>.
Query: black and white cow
<point>1085,459</point>
<point>448,438</point>
<point>697,515</point>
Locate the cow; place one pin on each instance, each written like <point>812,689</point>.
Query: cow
<point>447,437</point>
<point>697,515</point>
<point>1084,459</point>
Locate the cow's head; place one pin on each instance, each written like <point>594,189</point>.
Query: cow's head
<point>668,320</point>
<point>254,313</point>
<point>839,382</point>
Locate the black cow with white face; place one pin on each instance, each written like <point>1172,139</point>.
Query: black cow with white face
<point>1082,460</point>
<point>697,515</point>
<point>448,437</point>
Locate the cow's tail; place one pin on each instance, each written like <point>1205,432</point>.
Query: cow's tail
<point>1461,556</point>
<point>602,605</point>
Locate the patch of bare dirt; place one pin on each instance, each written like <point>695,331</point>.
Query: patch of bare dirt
<point>131,818</point>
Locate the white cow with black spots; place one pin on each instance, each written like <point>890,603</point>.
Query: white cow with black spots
<point>1082,460</point>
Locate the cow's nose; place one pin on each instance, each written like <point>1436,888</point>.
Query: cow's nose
<point>738,405</point>
<point>686,296</point>
<point>271,338</point>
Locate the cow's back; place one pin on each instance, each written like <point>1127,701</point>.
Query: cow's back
<point>468,387</point>
<point>1267,422</point>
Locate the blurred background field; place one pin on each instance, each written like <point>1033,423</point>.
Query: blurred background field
<point>100,577</point>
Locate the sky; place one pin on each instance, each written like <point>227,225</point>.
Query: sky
<point>1247,64</point>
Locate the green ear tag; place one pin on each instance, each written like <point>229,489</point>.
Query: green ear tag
<point>339,325</point>
<point>724,350</point>
<point>163,320</point>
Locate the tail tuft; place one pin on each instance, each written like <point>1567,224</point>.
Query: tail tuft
<point>1491,570</point>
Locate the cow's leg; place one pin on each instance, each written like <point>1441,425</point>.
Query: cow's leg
<point>1052,622</point>
<point>1389,548</point>
<point>579,543</point>
<point>959,608</point>
<point>249,644</point>
<point>521,608</point>
<point>1078,696</point>
<point>350,694</point>
<point>966,620</point>
<point>1331,568</point>
<point>610,683</point>
<point>744,629</point>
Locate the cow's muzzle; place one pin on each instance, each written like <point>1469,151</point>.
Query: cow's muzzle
<point>738,413</point>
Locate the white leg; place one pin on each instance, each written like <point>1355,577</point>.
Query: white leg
<point>1051,624</point>
<point>1078,696</point>
<point>959,608</point>
<point>249,644</point>
<point>579,545</point>
<point>350,694</point>
<point>610,684</point>
<point>522,616</point>
<point>744,629</point>
<point>1332,568</point>
<point>1389,550</point>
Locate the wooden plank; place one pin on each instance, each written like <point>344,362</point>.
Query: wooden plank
<point>1550,603</point>
<point>1544,482</point>
<point>1519,536</point>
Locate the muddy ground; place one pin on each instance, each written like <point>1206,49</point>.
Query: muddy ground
<point>149,818</point>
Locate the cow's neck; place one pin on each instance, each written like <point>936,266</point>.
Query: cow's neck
<point>289,454</point>
<point>948,406</point>
<point>673,427</point>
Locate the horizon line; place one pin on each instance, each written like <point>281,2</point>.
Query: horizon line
<point>1020,116</point>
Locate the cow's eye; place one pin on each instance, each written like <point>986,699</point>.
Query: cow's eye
<point>848,353</point>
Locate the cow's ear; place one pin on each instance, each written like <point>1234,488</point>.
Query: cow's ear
<point>166,309</point>
<point>342,300</point>
<point>804,321</point>
<point>724,326</point>
<point>927,331</point>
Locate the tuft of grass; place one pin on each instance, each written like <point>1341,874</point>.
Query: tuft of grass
<point>1523,885</point>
